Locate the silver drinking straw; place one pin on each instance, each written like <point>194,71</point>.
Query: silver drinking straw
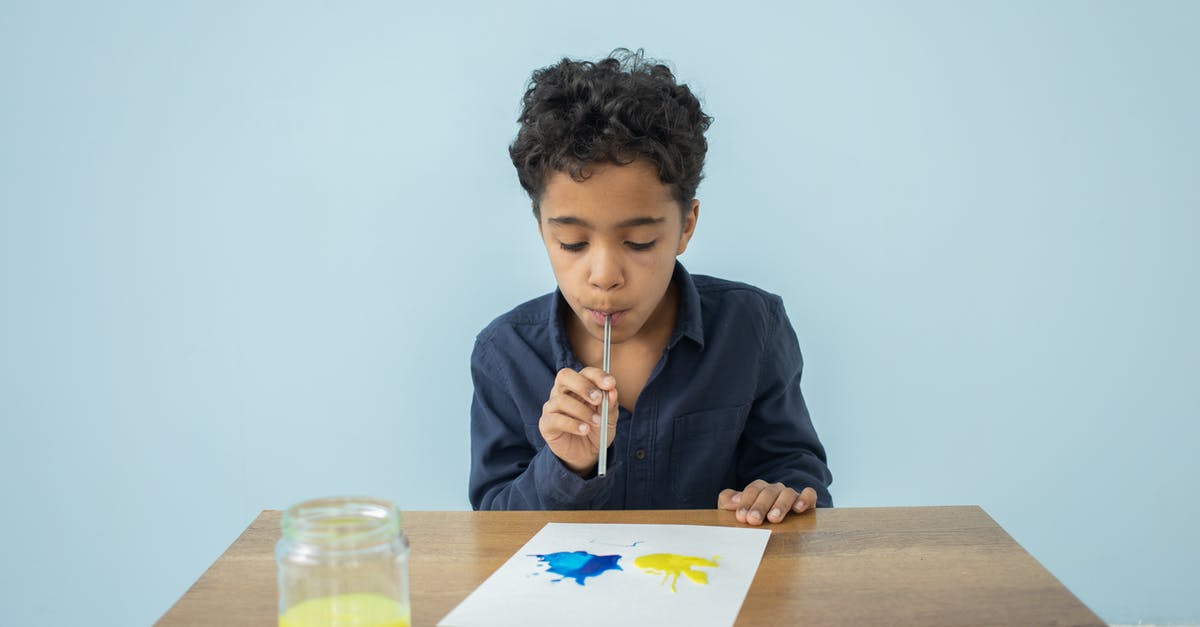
<point>603,468</point>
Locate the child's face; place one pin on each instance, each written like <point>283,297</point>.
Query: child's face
<point>612,241</point>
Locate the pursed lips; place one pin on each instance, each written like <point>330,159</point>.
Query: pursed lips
<point>598,314</point>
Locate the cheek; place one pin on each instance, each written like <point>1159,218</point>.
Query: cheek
<point>655,272</point>
<point>661,262</point>
<point>561,260</point>
<point>567,269</point>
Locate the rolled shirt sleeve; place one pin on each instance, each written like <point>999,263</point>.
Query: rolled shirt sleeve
<point>506,471</point>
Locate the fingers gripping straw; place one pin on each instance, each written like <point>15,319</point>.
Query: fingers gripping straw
<point>603,467</point>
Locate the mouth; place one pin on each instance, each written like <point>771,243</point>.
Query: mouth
<point>597,315</point>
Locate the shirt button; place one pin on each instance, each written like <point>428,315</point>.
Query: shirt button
<point>640,454</point>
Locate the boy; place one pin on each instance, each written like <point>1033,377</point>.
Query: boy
<point>704,390</point>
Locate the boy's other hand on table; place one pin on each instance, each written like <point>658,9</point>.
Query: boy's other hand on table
<point>570,421</point>
<point>766,502</point>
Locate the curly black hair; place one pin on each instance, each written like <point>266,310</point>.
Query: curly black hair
<point>616,110</point>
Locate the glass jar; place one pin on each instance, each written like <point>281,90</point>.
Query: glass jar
<point>343,562</point>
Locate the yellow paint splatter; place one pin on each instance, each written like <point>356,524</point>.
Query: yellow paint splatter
<point>672,565</point>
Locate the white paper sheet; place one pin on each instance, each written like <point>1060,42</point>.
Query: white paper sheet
<point>563,587</point>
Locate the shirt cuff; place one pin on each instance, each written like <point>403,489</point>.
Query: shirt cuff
<point>560,488</point>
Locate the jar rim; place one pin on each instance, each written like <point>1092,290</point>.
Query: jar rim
<point>341,522</point>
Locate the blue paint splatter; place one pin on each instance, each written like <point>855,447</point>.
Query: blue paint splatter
<point>579,565</point>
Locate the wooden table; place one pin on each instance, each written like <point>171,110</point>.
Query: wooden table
<point>842,566</point>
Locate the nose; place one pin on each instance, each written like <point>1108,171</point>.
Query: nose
<point>605,272</point>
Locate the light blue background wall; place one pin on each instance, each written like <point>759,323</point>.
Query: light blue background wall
<point>245,247</point>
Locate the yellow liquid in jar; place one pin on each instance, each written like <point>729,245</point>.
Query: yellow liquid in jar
<point>346,610</point>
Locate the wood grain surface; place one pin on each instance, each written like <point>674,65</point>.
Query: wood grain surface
<point>842,566</point>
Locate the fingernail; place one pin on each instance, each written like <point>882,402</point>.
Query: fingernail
<point>800,506</point>
<point>583,428</point>
<point>775,514</point>
<point>609,381</point>
<point>595,395</point>
<point>742,512</point>
<point>754,515</point>
<point>737,498</point>
<point>595,419</point>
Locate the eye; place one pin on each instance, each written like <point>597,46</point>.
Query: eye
<point>574,248</point>
<point>642,246</point>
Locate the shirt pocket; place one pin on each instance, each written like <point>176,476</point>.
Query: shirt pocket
<point>703,451</point>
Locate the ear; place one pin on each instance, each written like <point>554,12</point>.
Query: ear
<point>689,226</point>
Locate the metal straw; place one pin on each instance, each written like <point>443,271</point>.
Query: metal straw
<point>603,468</point>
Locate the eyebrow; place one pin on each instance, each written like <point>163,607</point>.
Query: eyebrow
<point>573,221</point>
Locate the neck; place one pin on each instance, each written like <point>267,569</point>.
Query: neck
<point>662,321</point>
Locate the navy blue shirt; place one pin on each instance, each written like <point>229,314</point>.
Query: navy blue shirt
<point>721,408</point>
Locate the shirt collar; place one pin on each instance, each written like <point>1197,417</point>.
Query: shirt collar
<point>688,324</point>
<point>564,357</point>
